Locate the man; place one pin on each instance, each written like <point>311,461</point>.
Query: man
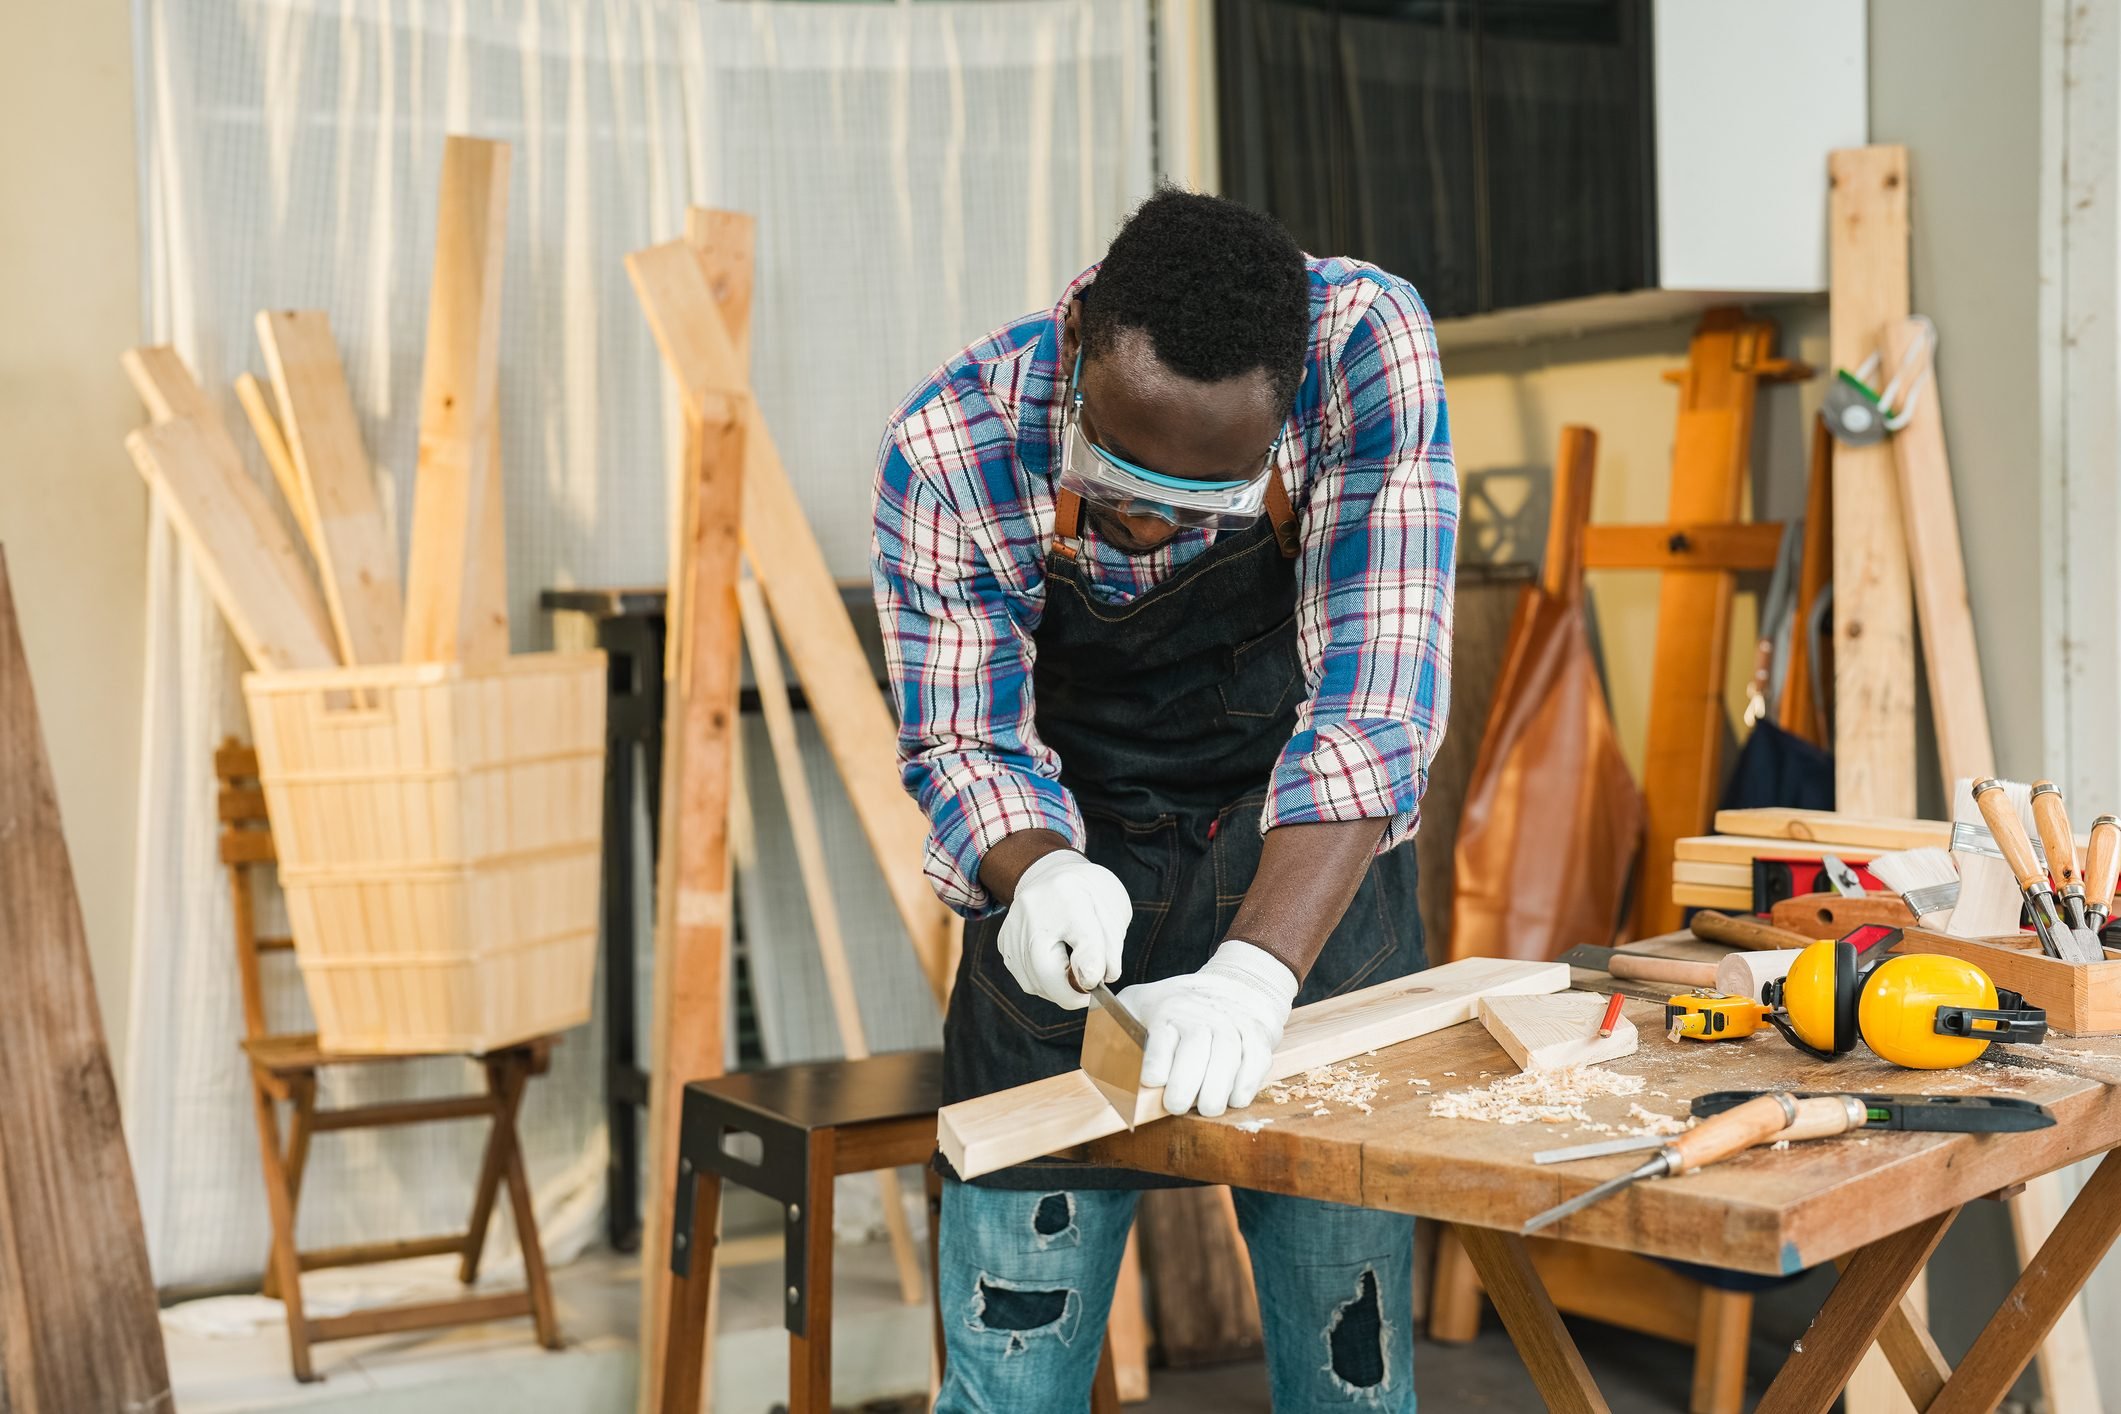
<point>1165,580</point>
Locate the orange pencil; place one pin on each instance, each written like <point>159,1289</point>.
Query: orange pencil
<point>1612,1015</point>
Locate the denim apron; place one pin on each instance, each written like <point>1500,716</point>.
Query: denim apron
<point>1169,713</point>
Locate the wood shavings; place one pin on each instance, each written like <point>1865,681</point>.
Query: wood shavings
<point>1417,1080</point>
<point>1345,1083</point>
<point>1779,1145</point>
<point>1541,1097</point>
<point>1650,1122</point>
<point>1252,1126</point>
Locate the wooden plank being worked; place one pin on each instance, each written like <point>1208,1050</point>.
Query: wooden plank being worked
<point>1874,629</point>
<point>1011,1126</point>
<point>458,534</point>
<point>676,286</point>
<point>1555,1031</point>
<point>357,554</point>
<point>1930,518</point>
<point>238,545</point>
<point>78,1324</point>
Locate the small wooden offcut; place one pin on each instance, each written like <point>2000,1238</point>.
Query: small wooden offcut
<point>283,1070</point>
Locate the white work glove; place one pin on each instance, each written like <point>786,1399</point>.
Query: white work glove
<point>1212,1033</point>
<point>1068,914</point>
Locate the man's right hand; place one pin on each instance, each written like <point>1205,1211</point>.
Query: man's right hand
<point>1068,915</point>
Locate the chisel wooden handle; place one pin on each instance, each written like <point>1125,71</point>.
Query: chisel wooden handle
<point>2102,858</point>
<point>2009,833</point>
<point>1641,968</point>
<point>1759,1121</point>
<point>1751,934</point>
<point>2055,835</point>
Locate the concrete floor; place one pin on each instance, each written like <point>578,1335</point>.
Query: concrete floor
<point>881,1356</point>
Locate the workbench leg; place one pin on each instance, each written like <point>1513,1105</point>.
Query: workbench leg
<point>2051,1281</point>
<point>1721,1334</point>
<point>1909,1348</point>
<point>1550,1356</point>
<point>810,1354</point>
<point>1454,1292</point>
<point>689,1337</point>
<point>1856,1311</point>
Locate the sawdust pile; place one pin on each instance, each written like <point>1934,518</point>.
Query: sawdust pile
<point>1321,1087</point>
<point>1536,1097</point>
<point>1650,1122</point>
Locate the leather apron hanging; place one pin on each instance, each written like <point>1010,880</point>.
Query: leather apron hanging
<point>1169,713</point>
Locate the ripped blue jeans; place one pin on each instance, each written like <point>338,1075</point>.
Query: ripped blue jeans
<point>1027,1281</point>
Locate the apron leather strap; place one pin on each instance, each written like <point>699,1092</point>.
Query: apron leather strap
<point>1068,520</point>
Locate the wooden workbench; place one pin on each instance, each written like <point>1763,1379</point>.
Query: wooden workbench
<point>1881,1200</point>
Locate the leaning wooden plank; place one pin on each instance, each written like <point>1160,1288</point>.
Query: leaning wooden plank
<point>265,426</point>
<point>702,668</point>
<point>78,1325</point>
<point>240,547</point>
<point>1930,518</point>
<point>357,554</point>
<point>677,292</point>
<point>159,376</point>
<point>457,517</point>
<point>1551,1032</point>
<point>1831,827</point>
<point>1011,1126</point>
<point>809,836</point>
<point>1874,629</point>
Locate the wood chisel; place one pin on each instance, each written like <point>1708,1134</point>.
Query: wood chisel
<point>1765,1119</point>
<point>1640,967</point>
<point>2056,935</point>
<point>1113,1044</point>
<point>2061,844</point>
<point>1929,1114</point>
<point>2102,859</point>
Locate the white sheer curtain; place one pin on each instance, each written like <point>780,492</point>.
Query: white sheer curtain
<point>920,174</point>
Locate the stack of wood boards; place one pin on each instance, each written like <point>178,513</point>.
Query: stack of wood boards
<point>313,582</point>
<point>1716,871</point>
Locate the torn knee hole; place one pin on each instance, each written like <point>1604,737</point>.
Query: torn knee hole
<point>1053,1221</point>
<point>1357,1334</point>
<point>1024,1313</point>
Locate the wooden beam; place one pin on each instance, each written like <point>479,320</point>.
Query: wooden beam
<point>676,286</point>
<point>1555,1031</point>
<point>1549,1353</point>
<point>1929,516</point>
<point>257,410</point>
<point>816,874</point>
<point>78,1324</point>
<point>1798,712</point>
<point>693,868</point>
<point>1831,827</point>
<point>1737,545</point>
<point>357,556</point>
<point>458,523</point>
<point>1011,1126</point>
<point>1874,637</point>
<point>1711,454</point>
<point>237,544</point>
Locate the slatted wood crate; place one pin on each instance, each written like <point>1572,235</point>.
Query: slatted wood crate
<point>439,832</point>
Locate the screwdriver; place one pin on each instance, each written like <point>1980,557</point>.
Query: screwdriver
<point>1757,1121</point>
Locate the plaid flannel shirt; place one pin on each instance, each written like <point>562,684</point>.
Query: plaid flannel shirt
<point>964,506</point>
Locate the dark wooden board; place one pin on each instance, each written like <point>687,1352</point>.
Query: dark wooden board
<point>78,1328</point>
<point>1200,1277</point>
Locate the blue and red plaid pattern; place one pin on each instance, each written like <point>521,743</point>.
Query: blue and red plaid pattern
<point>964,513</point>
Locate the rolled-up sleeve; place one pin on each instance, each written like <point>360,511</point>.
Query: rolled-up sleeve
<point>960,664</point>
<point>1380,530</point>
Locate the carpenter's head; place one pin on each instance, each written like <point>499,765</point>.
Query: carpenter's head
<point>1193,341</point>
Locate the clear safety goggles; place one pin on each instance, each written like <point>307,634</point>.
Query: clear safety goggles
<point>1111,481</point>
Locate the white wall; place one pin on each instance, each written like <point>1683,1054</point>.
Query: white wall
<point>72,510</point>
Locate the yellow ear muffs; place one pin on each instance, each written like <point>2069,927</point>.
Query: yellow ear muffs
<point>1815,1003</point>
<point>1930,1012</point>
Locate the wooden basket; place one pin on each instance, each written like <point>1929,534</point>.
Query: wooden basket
<point>439,832</point>
<point>2081,998</point>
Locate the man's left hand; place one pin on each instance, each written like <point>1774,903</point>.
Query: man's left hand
<point>1212,1033</point>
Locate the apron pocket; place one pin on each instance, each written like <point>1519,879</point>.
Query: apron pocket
<point>1263,673</point>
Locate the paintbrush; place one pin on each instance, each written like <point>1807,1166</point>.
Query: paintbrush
<point>1926,880</point>
<point>1990,901</point>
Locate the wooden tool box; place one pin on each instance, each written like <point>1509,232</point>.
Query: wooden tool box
<point>2081,999</point>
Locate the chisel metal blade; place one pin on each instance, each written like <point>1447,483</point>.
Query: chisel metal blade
<point>1113,1043</point>
<point>1651,1168</point>
<point>1598,1149</point>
